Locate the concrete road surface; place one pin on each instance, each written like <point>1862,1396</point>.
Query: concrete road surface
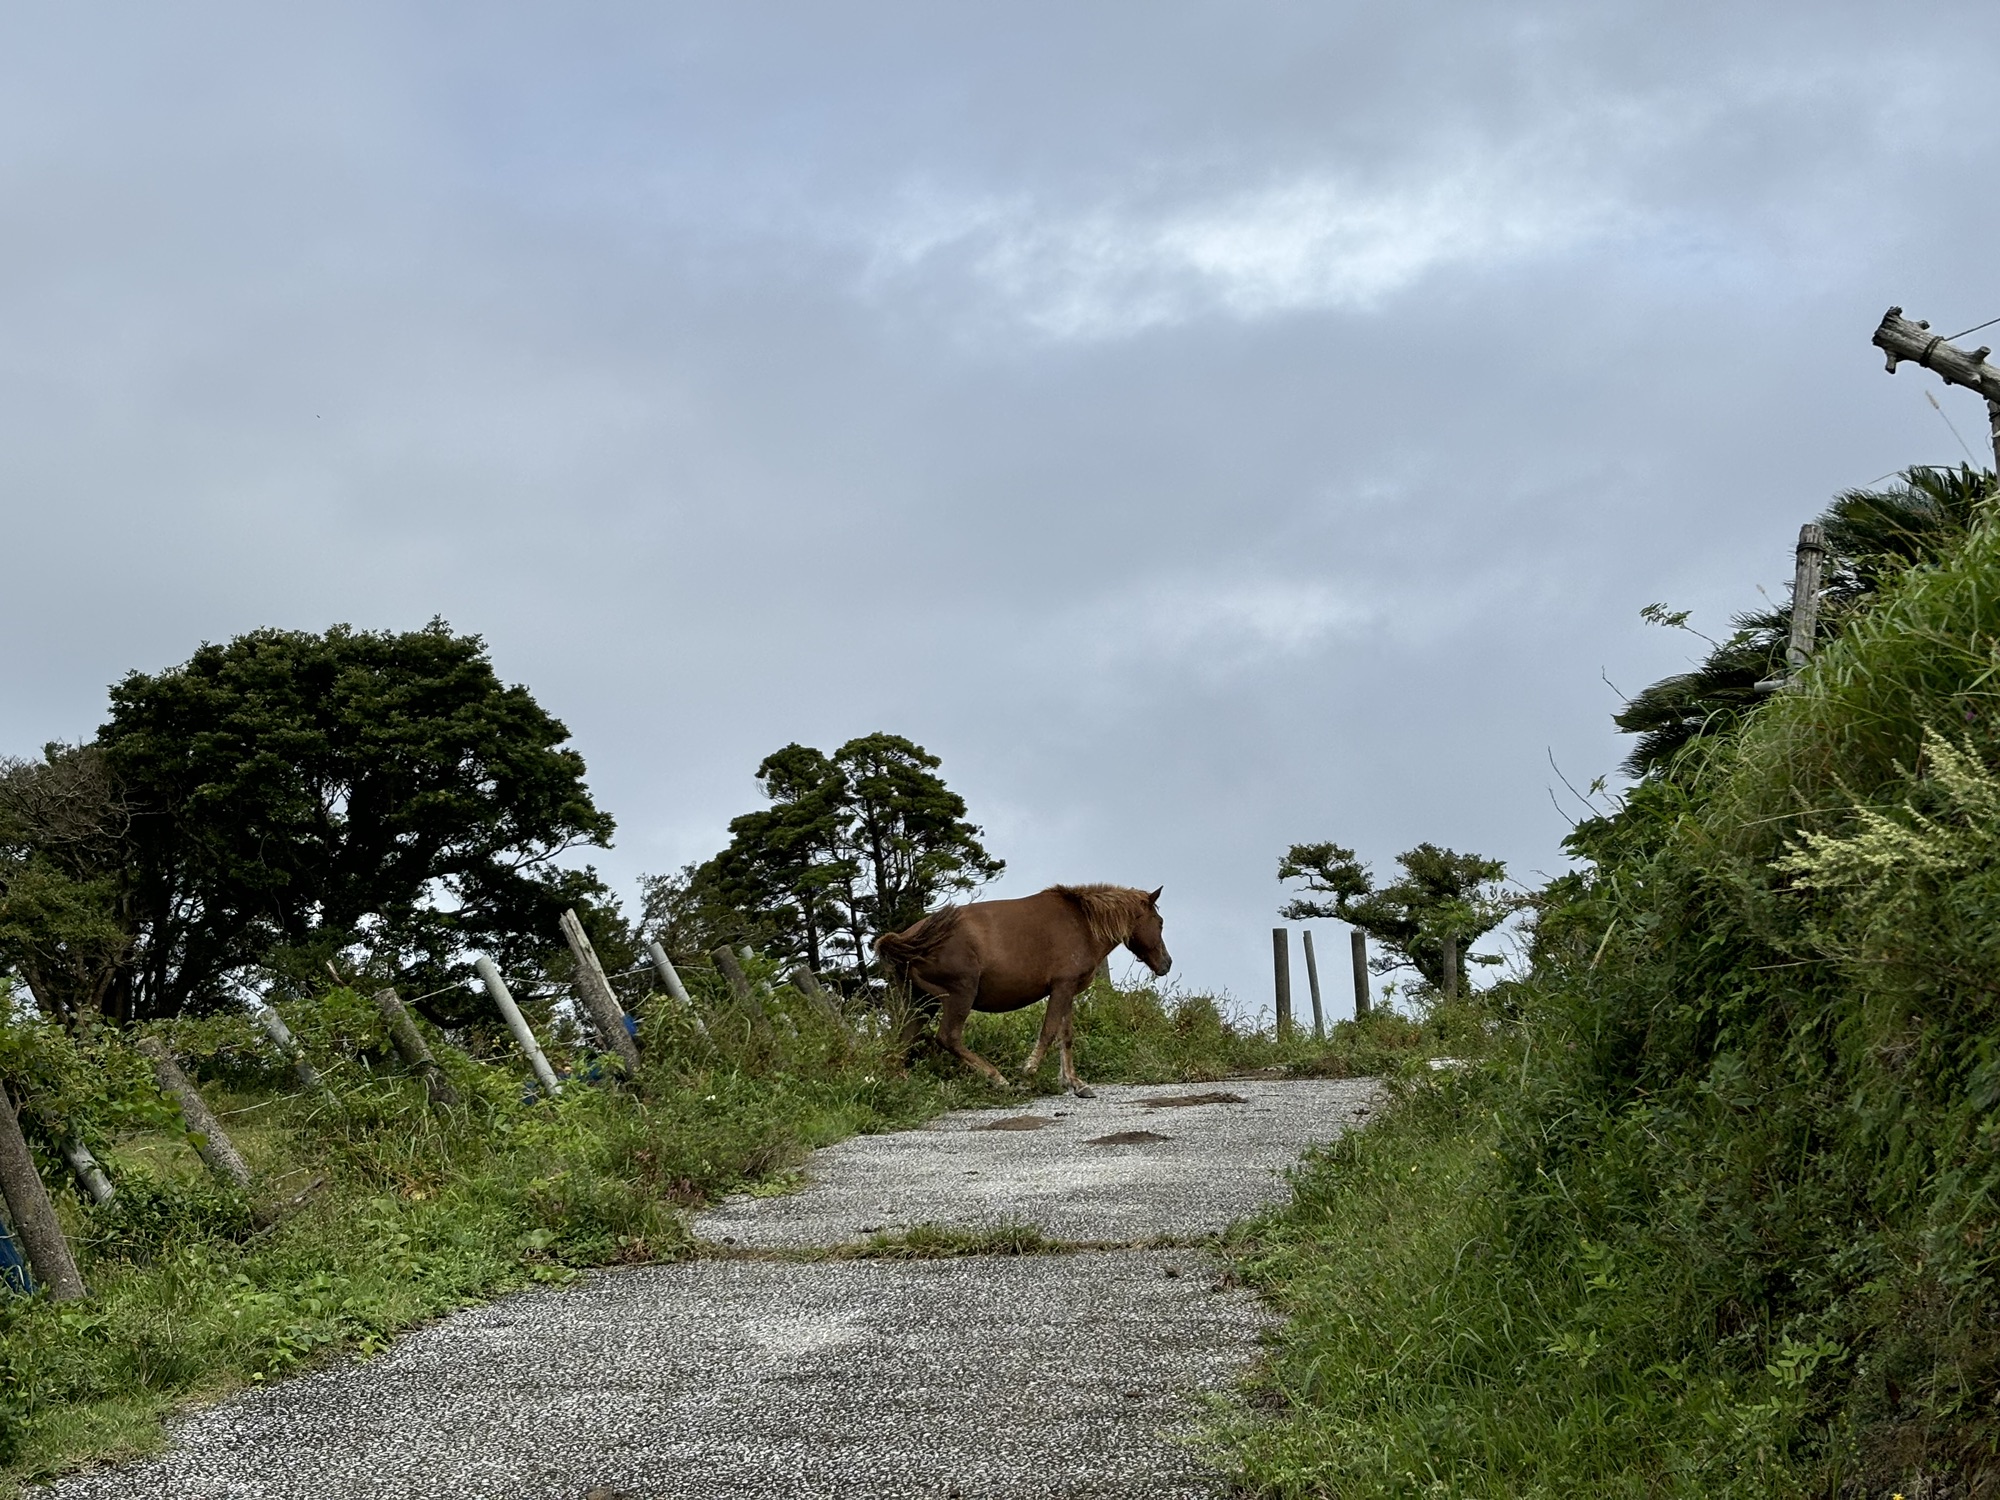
<point>981,1378</point>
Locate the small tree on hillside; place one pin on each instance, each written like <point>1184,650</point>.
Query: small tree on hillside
<point>1442,894</point>
<point>852,845</point>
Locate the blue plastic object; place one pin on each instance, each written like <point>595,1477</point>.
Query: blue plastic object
<point>13,1269</point>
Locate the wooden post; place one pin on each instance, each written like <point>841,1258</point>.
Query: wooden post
<point>1102,978</point>
<point>669,975</point>
<point>34,1216</point>
<point>1312,979</point>
<point>807,983</point>
<point>210,1141</point>
<point>517,1023</point>
<point>274,1027</point>
<point>1805,596</point>
<point>89,1174</point>
<point>1281,970</point>
<point>1901,339</point>
<point>1357,940</point>
<point>598,996</point>
<point>738,982</point>
<point>411,1048</point>
<point>1451,966</point>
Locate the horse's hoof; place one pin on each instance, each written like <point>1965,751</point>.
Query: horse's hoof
<point>1084,1091</point>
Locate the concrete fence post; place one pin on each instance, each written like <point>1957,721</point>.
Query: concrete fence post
<point>89,1174</point>
<point>503,999</point>
<point>211,1142</point>
<point>273,1026</point>
<point>1451,966</point>
<point>669,975</point>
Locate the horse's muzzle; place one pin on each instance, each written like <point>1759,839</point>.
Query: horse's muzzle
<point>1160,969</point>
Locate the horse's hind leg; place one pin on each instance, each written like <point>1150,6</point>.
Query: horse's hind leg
<point>951,1031</point>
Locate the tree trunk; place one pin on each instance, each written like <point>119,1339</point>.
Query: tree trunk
<point>33,1214</point>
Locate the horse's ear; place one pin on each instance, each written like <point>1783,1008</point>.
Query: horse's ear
<point>1155,897</point>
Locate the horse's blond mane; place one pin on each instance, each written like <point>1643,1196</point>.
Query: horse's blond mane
<point>1109,911</point>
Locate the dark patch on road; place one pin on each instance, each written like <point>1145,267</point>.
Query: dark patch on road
<point>1183,1101</point>
<point>1127,1138</point>
<point>1015,1122</point>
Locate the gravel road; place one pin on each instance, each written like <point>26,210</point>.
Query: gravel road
<point>983,1378</point>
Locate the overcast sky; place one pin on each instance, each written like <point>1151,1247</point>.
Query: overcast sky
<point>1206,426</point>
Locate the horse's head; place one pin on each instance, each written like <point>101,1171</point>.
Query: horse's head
<point>1145,941</point>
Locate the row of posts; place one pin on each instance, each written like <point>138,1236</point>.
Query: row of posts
<point>1281,969</point>
<point>29,1218</point>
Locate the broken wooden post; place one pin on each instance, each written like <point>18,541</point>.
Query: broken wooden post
<point>1312,980</point>
<point>1281,969</point>
<point>598,996</point>
<point>1357,941</point>
<point>411,1048</point>
<point>1805,596</point>
<point>33,1214</point>
<point>205,1132</point>
<point>807,983</point>
<point>669,975</point>
<point>517,1023</point>
<point>1451,966</point>
<point>738,982</point>
<point>1901,339</point>
<point>274,1027</point>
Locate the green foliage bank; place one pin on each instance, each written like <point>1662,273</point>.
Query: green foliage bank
<point>1722,1216</point>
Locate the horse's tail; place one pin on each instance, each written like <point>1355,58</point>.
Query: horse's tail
<point>898,950</point>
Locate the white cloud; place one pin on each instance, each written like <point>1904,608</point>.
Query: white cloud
<point>1311,242</point>
<point>1217,628</point>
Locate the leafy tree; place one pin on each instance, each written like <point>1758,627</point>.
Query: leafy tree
<point>854,844</point>
<point>1871,536</point>
<point>1442,894</point>
<point>63,914</point>
<point>297,794</point>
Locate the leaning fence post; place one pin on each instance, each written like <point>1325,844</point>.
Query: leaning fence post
<point>410,1047</point>
<point>34,1216</point>
<point>517,1023</point>
<point>274,1027</point>
<point>1281,969</point>
<point>89,1174</point>
<point>211,1142</point>
<point>1312,979</point>
<point>738,982</point>
<point>598,997</point>
<point>1357,941</point>
<point>669,975</point>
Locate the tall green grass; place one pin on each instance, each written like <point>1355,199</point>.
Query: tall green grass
<point>1724,1218</point>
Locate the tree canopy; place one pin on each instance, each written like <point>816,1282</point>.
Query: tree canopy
<point>1442,894</point>
<point>851,845</point>
<point>278,800</point>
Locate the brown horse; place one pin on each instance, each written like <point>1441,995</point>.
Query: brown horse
<point>1003,955</point>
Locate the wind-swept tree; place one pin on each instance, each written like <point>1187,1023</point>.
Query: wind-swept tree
<point>851,845</point>
<point>294,795</point>
<point>1442,894</point>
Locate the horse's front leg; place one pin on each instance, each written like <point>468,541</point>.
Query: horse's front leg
<point>1061,1018</point>
<point>1051,1025</point>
